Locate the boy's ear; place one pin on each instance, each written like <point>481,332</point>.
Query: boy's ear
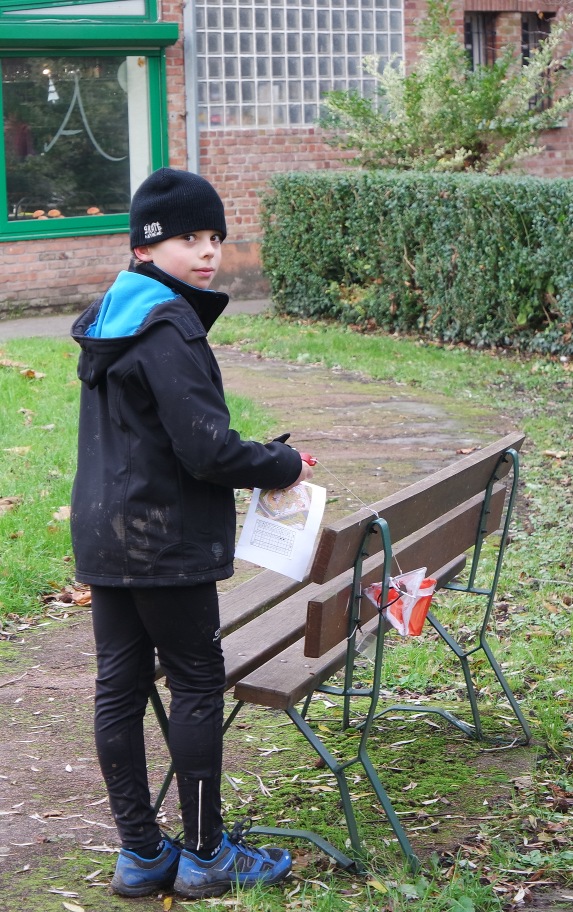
<point>144,253</point>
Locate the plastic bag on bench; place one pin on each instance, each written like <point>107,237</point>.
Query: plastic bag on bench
<point>409,599</point>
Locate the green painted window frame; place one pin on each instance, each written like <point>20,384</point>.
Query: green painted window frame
<point>106,37</point>
<point>7,6</point>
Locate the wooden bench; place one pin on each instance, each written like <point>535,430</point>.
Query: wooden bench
<point>283,641</point>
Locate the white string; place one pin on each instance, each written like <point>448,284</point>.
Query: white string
<point>349,490</point>
<point>356,497</point>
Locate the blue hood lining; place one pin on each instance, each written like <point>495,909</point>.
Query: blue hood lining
<point>126,305</point>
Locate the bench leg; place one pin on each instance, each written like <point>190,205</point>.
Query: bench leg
<point>338,771</point>
<point>384,800</point>
<point>507,691</point>
<point>476,730</point>
<point>342,860</point>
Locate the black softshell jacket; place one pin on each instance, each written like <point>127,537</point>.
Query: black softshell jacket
<point>153,500</point>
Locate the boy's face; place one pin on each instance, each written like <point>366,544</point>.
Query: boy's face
<point>193,258</point>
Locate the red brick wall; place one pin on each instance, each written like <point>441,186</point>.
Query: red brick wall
<point>172,11</point>
<point>58,274</point>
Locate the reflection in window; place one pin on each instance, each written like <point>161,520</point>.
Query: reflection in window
<point>306,47</point>
<point>69,124</point>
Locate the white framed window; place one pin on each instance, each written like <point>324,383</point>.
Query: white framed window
<point>269,62</point>
<point>479,35</point>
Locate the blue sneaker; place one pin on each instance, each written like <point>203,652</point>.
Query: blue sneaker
<point>236,864</point>
<point>137,876</point>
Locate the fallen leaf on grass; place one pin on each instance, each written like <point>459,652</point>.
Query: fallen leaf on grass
<point>521,894</point>
<point>62,514</point>
<point>28,415</point>
<point>9,503</point>
<point>266,751</point>
<point>71,907</point>
<point>70,595</point>
<point>6,362</point>
<point>522,782</point>
<point>30,374</point>
<point>18,451</point>
<point>167,903</point>
<point>376,885</point>
<point>100,848</point>
<point>93,875</point>
<point>556,454</point>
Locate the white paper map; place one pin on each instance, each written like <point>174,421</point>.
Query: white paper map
<point>281,527</point>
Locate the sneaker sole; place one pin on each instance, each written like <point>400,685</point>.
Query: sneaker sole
<point>143,890</point>
<point>217,889</point>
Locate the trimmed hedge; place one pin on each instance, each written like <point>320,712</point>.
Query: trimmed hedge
<point>465,258</point>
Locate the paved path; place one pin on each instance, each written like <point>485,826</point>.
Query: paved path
<point>59,324</point>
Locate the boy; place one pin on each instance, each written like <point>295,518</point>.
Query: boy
<point>153,529</point>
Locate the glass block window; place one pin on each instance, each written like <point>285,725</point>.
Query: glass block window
<point>269,62</point>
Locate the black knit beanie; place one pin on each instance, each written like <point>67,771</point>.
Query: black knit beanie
<point>169,203</point>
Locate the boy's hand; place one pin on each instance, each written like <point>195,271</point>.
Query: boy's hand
<point>305,475</point>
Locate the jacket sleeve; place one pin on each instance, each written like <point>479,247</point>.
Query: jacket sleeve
<point>185,381</point>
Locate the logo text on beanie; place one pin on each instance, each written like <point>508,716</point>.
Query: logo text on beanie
<point>152,230</point>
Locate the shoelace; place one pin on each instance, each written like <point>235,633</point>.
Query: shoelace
<point>177,841</point>
<point>238,833</point>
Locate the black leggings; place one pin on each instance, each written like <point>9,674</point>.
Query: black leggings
<point>182,623</point>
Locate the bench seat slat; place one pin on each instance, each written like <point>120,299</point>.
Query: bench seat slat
<point>410,508</point>
<point>290,676</point>
<point>251,598</point>
<point>267,635</point>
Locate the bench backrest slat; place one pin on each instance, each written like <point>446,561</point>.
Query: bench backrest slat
<point>432,546</point>
<point>411,508</point>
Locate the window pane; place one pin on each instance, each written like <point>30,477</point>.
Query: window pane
<point>214,43</point>
<point>69,123</point>
<point>231,67</point>
<point>230,18</point>
<point>262,42</point>
<point>230,43</point>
